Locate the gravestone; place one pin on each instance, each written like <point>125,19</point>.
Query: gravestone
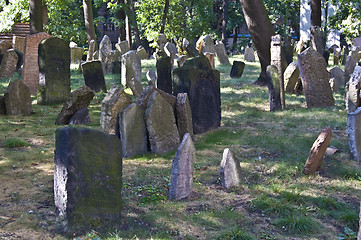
<point>54,71</point>
<point>142,99</point>
<point>108,63</point>
<point>181,182</point>
<point>221,53</point>
<point>152,77</point>
<point>210,57</point>
<point>274,89</point>
<point>338,74</point>
<point>317,152</point>
<point>171,50</point>
<point>105,46</point>
<point>184,115</point>
<point>77,100</point>
<point>131,68</point>
<point>87,180</point>
<point>277,59</point>
<point>133,131</point>
<point>8,64</point>
<point>164,74</point>
<point>349,67</point>
<point>80,117</point>
<point>114,102</point>
<point>122,47</point>
<point>317,39</point>
<point>19,43</point>
<point>354,133</point>
<point>17,99</point>
<point>181,60</point>
<point>357,42</point>
<point>202,85</point>
<point>136,87</point>
<point>76,54</point>
<point>189,48</point>
<point>205,44</point>
<point>315,79</point>
<point>2,105</point>
<point>353,87</point>
<point>161,41</point>
<point>94,75</point>
<point>142,53</point>
<point>91,50</point>
<point>249,55</point>
<point>237,69</point>
<point>31,67</point>
<point>291,77</point>
<point>161,125</point>
<point>230,170</point>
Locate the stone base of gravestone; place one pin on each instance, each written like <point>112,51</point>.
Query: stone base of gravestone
<point>237,69</point>
<point>80,117</point>
<point>354,133</point>
<point>274,89</point>
<point>131,68</point>
<point>184,115</point>
<point>291,77</point>
<point>181,183</point>
<point>353,87</point>
<point>2,105</point>
<point>77,100</point>
<point>161,125</point>
<point>94,75</point>
<point>221,53</point>
<point>230,170</point>
<point>114,102</point>
<point>87,180</point>
<point>17,99</point>
<point>317,152</point>
<point>164,74</point>
<point>8,64</point>
<point>133,131</point>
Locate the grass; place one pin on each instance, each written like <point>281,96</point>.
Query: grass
<point>274,200</point>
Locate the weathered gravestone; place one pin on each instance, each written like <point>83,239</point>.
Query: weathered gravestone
<point>210,57</point>
<point>109,61</point>
<point>184,115</point>
<point>17,99</point>
<point>152,77</point>
<point>31,67</point>
<point>230,170</point>
<point>338,74</point>
<point>353,86</point>
<point>317,39</point>
<point>249,55</point>
<point>161,41</point>
<point>357,42</point>
<point>278,60</point>
<point>131,68</point>
<point>19,43</point>
<point>87,180</point>
<point>274,89</point>
<point>136,87</point>
<point>91,50</point>
<point>237,69</point>
<point>54,71</point>
<point>189,48</point>
<point>142,53</point>
<point>78,99</point>
<point>171,50</point>
<point>94,75</point>
<point>161,125</point>
<point>315,79</point>
<point>164,74</point>
<point>205,44</point>
<point>349,67</point>
<point>133,131</point>
<point>80,117</point>
<point>114,102</point>
<point>221,52</point>
<point>2,105</point>
<point>317,152</point>
<point>76,55</point>
<point>202,85</point>
<point>354,133</point>
<point>291,77</point>
<point>105,46</point>
<point>8,64</point>
<point>122,47</point>
<point>181,183</point>
<point>181,60</point>
<point>143,98</point>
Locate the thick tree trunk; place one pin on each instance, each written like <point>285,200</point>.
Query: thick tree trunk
<point>316,13</point>
<point>134,23</point>
<point>36,16</point>
<point>166,7</point>
<point>88,19</point>
<point>261,30</point>
<point>224,22</point>
<point>121,17</point>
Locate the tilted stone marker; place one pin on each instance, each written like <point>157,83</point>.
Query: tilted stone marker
<point>189,48</point>
<point>221,53</point>
<point>181,60</point>
<point>317,39</point>
<point>237,69</point>
<point>8,64</point>
<point>131,68</point>
<point>181,183</point>
<point>317,152</point>
<point>291,77</point>
<point>278,60</point>
<point>205,44</point>
<point>87,180</point>
<point>54,69</point>
<point>114,102</point>
<point>202,85</point>
<point>80,117</point>
<point>94,75</point>
<point>354,133</point>
<point>91,50</point>
<point>171,50</point>
<point>315,79</point>
<point>31,67</point>
<point>136,87</point>
<point>164,74</point>
<point>230,170</point>
<point>78,99</point>
<point>152,78</point>
<point>133,131</point>
<point>274,90</point>
<point>249,55</point>
<point>353,87</point>
<point>161,41</point>
<point>142,53</point>
<point>17,99</point>
<point>184,115</point>
<point>161,125</point>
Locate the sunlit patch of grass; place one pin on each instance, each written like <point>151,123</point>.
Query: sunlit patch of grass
<point>271,206</point>
<point>15,143</point>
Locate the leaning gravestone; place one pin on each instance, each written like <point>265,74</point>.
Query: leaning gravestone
<point>31,67</point>
<point>291,77</point>
<point>202,84</point>
<point>349,67</point>
<point>17,99</point>
<point>205,44</point>
<point>237,69</point>
<point>221,53</point>
<point>353,87</point>
<point>181,60</point>
<point>184,115</point>
<point>131,68</point>
<point>94,75</point>
<point>87,180</point>
<point>133,131</point>
<point>249,55</point>
<point>230,170</point>
<point>354,133</point>
<point>136,87</point>
<point>78,99</point>
<point>315,79</point>
<point>114,102</point>
<point>171,50</point>
<point>274,90</point>
<point>152,77</point>
<point>164,73</point>
<point>161,125</point>
<point>142,53</point>
<point>80,117</point>
<point>317,152</point>
<point>122,47</point>
<point>8,64</point>
<point>54,69</point>
<point>143,98</point>
<point>181,183</point>
<point>210,57</point>
<point>189,48</point>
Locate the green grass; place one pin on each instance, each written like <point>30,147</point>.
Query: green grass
<point>298,224</point>
<point>15,143</point>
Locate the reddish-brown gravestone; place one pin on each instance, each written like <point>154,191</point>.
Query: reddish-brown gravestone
<point>31,67</point>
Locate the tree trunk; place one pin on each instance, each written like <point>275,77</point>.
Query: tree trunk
<point>261,30</point>
<point>224,22</point>
<point>316,13</point>
<point>88,19</point>
<point>134,23</point>
<point>121,17</point>
<point>36,16</point>
<point>166,7</point>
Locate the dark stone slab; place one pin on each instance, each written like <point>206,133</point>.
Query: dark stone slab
<point>164,74</point>
<point>80,117</point>
<point>94,75</point>
<point>184,115</point>
<point>2,105</point>
<point>237,69</point>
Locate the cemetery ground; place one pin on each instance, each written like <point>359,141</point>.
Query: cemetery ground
<point>274,200</point>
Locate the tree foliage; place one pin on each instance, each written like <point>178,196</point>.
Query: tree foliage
<point>17,11</point>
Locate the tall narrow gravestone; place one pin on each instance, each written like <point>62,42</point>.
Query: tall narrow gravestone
<point>354,133</point>
<point>277,59</point>
<point>131,68</point>
<point>31,67</point>
<point>164,73</point>
<point>87,180</point>
<point>202,85</point>
<point>54,68</point>
<point>230,170</point>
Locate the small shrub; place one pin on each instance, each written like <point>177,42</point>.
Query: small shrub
<point>15,143</point>
<point>295,224</point>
